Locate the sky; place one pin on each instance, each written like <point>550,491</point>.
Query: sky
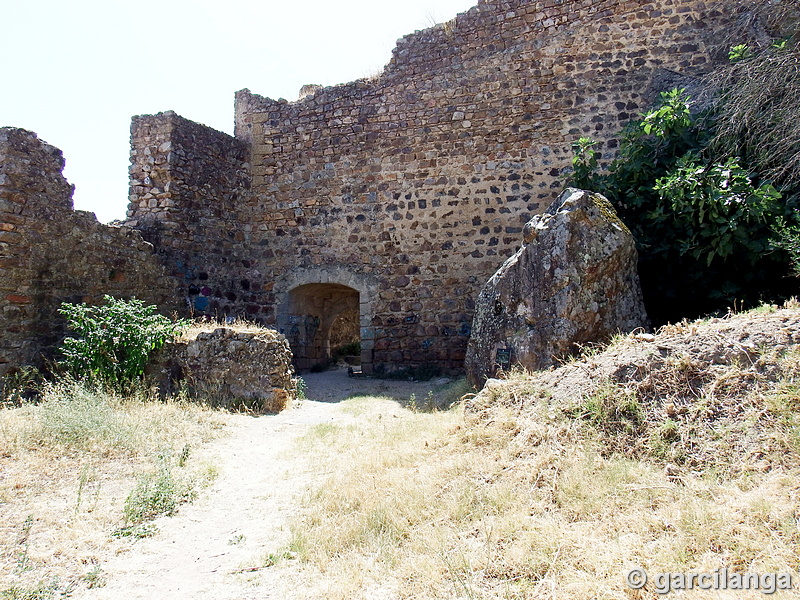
<point>76,71</point>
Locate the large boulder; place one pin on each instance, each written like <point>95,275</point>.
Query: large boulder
<point>574,281</point>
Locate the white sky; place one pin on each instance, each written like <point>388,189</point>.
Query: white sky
<point>76,71</point>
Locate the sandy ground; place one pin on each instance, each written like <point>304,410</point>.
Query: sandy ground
<point>206,550</point>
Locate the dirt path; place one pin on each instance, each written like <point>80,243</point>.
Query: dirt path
<point>202,551</point>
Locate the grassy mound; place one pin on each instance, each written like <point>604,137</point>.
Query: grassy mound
<point>672,453</point>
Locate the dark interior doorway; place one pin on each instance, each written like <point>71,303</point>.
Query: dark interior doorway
<point>323,323</point>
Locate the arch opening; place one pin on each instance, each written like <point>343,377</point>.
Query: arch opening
<point>323,323</point>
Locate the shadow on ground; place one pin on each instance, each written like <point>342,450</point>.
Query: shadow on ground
<point>334,385</point>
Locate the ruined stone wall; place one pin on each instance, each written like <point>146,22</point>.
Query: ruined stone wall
<point>415,185</point>
<point>239,368</point>
<point>187,185</point>
<point>50,253</point>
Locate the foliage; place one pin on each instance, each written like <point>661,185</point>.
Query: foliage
<point>42,591</point>
<point>789,240</point>
<point>302,388</point>
<point>740,52</point>
<point>718,209</point>
<point>156,493</point>
<point>350,349</point>
<point>114,341</point>
<point>20,386</point>
<point>613,409</point>
<point>704,225</point>
<point>584,163</point>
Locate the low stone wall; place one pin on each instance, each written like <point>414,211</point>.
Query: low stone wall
<point>235,368</point>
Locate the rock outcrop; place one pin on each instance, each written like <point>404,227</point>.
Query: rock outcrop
<point>236,368</point>
<point>574,281</point>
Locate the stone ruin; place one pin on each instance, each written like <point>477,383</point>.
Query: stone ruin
<point>236,367</point>
<point>371,211</point>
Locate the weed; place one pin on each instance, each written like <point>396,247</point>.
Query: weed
<point>426,405</point>
<point>460,573</point>
<point>87,477</point>
<point>21,557</point>
<point>662,438</point>
<point>19,387</point>
<point>80,416</point>
<point>94,578</point>
<point>42,591</point>
<point>613,409</point>
<point>184,455</point>
<point>441,397</point>
<point>142,530</point>
<point>274,558</point>
<point>156,493</point>
<point>302,388</point>
<point>209,473</point>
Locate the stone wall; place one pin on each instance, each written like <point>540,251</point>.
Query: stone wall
<point>240,368</point>
<point>51,254</point>
<point>396,197</point>
<point>421,179</point>
<point>187,185</point>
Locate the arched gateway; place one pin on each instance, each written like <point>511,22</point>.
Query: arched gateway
<point>323,311</point>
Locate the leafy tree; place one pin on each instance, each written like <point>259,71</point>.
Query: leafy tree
<point>114,341</point>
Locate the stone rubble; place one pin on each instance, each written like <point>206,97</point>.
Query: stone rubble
<point>234,368</point>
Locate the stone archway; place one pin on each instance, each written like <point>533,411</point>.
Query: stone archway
<point>331,291</point>
<point>321,318</point>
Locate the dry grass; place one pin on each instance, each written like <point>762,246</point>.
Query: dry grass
<point>523,496</point>
<point>67,465</point>
<point>238,324</point>
<point>516,503</point>
<point>759,95</point>
<point>687,461</point>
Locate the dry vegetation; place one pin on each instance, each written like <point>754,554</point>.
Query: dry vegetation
<point>204,326</point>
<point>677,453</point>
<point>81,465</point>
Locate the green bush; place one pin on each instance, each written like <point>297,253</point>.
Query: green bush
<point>350,349</point>
<point>717,209</point>
<point>789,240</point>
<point>705,227</point>
<point>114,341</point>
